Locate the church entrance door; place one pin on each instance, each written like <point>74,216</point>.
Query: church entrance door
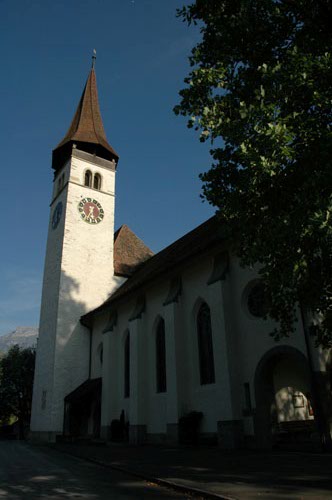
<point>284,415</point>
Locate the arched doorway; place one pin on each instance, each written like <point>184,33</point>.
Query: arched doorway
<point>324,384</point>
<point>284,415</point>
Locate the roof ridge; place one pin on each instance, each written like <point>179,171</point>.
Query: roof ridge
<point>119,229</point>
<point>199,239</point>
<point>93,111</point>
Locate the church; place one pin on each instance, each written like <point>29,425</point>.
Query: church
<point>157,348</point>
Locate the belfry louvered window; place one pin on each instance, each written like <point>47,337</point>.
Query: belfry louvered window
<point>97,182</point>
<point>88,178</point>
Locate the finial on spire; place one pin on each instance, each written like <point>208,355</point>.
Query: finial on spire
<point>94,57</point>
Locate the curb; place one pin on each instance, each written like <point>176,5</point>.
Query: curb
<point>198,493</point>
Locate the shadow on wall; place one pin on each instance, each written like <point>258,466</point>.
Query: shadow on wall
<point>73,339</point>
<point>71,354</point>
<point>73,365</point>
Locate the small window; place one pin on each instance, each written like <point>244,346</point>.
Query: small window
<point>87,178</point>
<point>205,345</point>
<point>61,182</point>
<point>100,353</point>
<point>258,300</point>
<point>160,357</point>
<point>97,182</point>
<point>127,367</point>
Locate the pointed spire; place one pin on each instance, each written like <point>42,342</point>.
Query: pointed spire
<point>86,129</point>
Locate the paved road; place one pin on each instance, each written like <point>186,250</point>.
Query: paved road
<point>245,475</point>
<point>32,473</point>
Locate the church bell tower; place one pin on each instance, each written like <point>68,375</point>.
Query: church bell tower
<point>78,273</point>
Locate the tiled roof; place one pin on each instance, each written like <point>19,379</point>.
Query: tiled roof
<point>193,243</point>
<point>87,127</point>
<point>129,251</point>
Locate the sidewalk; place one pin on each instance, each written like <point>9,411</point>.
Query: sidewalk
<point>219,474</point>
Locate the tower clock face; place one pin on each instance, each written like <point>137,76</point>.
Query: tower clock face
<point>56,215</point>
<point>91,210</point>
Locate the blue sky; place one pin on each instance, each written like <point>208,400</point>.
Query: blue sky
<point>142,59</point>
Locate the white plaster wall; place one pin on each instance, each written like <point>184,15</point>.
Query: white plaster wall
<point>63,174</point>
<point>239,343</point>
<point>96,345</point>
<point>117,338</point>
<point>108,368</point>
<point>41,418</point>
<point>210,398</point>
<point>78,278</point>
<point>86,278</point>
<point>154,408</point>
<point>113,401</point>
<point>155,403</point>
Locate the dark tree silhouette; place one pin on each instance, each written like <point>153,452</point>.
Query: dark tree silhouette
<point>16,383</point>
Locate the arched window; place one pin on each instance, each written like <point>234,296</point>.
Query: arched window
<point>127,366</point>
<point>205,345</point>
<point>87,178</point>
<point>97,182</point>
<point>160,357</point>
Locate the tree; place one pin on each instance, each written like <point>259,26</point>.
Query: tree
<point>260,89</point>
<point>16,382</point>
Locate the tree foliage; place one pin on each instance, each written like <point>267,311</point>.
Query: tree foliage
<point>260,89</point>
<point>16,382</point>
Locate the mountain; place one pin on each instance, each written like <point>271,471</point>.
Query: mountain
<point>24,336</point>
